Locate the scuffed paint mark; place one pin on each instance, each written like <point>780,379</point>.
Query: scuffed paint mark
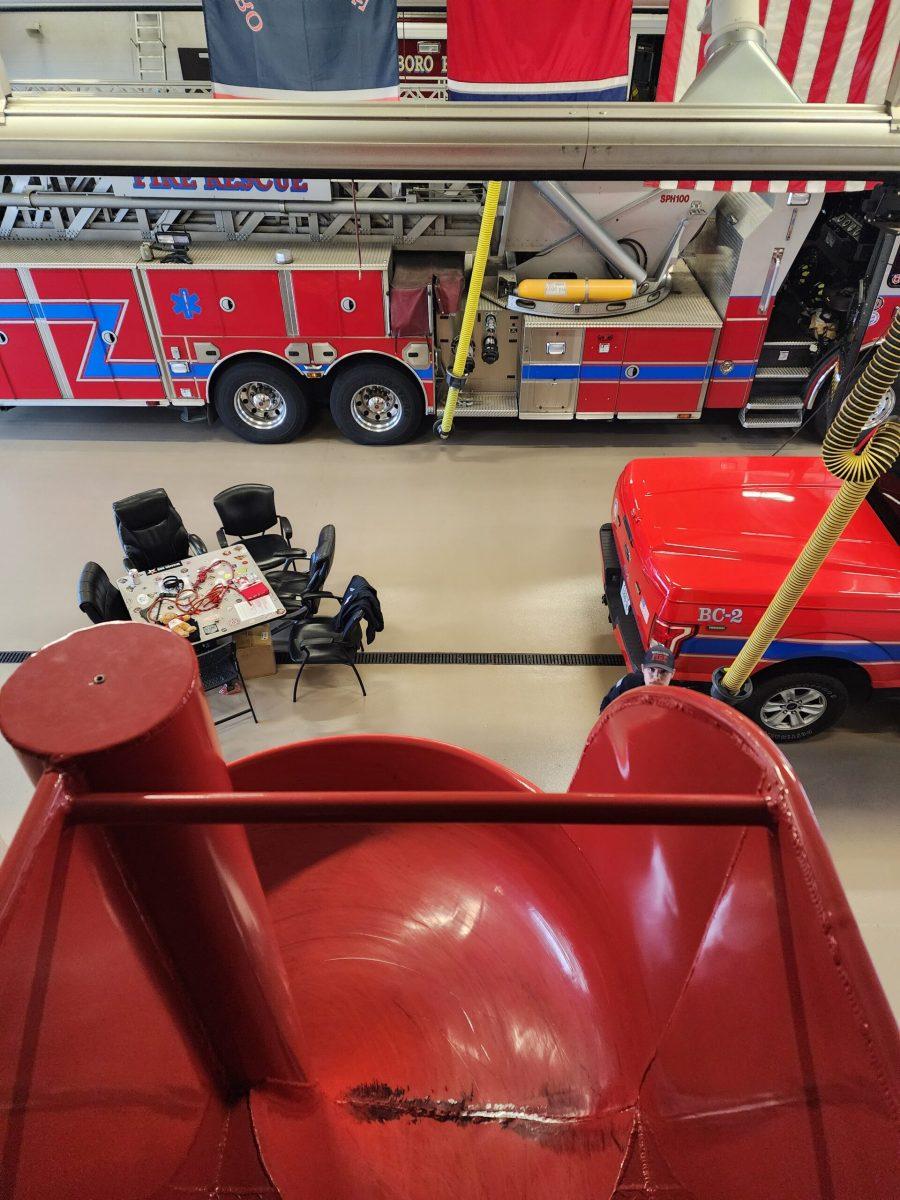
<point>562,1128</point>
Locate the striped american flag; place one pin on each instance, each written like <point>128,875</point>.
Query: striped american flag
<point>830,51</point>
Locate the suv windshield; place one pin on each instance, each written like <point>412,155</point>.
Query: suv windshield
<point>885,499</point>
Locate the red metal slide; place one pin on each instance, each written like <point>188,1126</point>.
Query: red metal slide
<point>379,967</point>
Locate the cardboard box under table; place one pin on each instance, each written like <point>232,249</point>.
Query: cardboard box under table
<point>255,652</point>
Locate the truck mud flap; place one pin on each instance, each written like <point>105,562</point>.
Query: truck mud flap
<point>624,623</point>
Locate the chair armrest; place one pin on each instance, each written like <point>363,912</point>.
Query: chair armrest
<point>280,560</point>
<point>287,529</point>
<point>302,615</point>
<point>297,652</point>
<point>196,544</point>
<point>221,538</point>
<point>321,596</point>
<point>321,641</point>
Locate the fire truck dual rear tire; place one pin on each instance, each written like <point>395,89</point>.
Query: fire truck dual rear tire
<point>794,706</point>
<point>261,401</point>
<point>376,404</point>
<point>825,410</point>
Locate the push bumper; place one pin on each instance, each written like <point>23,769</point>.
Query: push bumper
<point>625,626</point>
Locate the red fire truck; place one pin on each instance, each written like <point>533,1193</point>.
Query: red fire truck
<point>697,548</point>
<point>748,295</point>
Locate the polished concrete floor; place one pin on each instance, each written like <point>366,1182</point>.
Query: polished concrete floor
<point>486,543</point>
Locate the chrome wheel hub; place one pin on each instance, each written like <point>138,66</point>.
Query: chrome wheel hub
<point>376,408</point>
<point>793,708</point>
<point>884,409</point>
<point>260,405</point>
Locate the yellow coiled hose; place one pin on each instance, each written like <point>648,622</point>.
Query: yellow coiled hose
<point>482,250</point>
<point>858,470</point>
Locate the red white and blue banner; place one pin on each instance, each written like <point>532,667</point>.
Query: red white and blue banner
<point>537,49</point>
<point>303,50</point>
<point>830,51</point>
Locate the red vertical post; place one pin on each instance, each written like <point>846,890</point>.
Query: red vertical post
<point>119,707</point>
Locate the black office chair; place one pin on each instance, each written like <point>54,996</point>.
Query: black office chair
<point>246,511</point>
<point>295,588</point>
<point>98,597</point>
<point>337,640</point>
<point>151,531</point>
<point>219,667</point>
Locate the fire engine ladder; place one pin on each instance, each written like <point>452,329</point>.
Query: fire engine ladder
<point>426,214</point>
<point>149,47</point>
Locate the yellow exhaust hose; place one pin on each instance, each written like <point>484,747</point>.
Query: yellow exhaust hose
<point>482,250</point>
<point>858,469</point>
<point>576,291</point>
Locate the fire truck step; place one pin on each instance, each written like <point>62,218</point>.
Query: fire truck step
<point>772,412</point>
<point>781,373</point>
<point>774,401</point>
<point>487,404</point>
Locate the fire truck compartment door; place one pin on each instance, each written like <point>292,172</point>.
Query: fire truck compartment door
<point>550,369</point>
<point>99,331</point>
<point>598,388</point>
<point>25,370</point>
<point>340,303</point>
<point>664,370</point>
<point>205,305</point>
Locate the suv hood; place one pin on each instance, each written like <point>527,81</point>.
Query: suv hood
<point>706,528</point>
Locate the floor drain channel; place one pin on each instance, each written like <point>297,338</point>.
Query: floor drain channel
<point>433,658</point>
<point>440,658</point>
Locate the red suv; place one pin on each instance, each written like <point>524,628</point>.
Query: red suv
<point>698,546</point>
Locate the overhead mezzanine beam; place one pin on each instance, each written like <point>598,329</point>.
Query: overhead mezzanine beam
<point>51,134</point>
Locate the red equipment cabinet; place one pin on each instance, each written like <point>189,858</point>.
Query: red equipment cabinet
<point>655,363</point>
<point>25,368</point>
<point>95,324</point>
<point>99,331</point>
<point>700,546</point>
<point>459,988</point>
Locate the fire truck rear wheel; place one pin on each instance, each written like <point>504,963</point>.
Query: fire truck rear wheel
<point>261,402</point>
<point>825,411</point>
<point>795,706</point>
<point>376,404</point>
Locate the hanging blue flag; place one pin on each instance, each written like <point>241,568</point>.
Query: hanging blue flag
<point>304,50</point>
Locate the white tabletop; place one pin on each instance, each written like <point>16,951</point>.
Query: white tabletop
<point>233,613</point>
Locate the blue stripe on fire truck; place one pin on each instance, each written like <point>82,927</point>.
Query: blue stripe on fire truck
<point>593,372</point>
<point>196,370</point>
<point>597,373</point>
<point>550,370</point>
<point>669,373</point>
<point>180,368</point>
<point>859,652</point>
<point>737,371</point>
<point>104,315</point>
<point>426,374</point>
